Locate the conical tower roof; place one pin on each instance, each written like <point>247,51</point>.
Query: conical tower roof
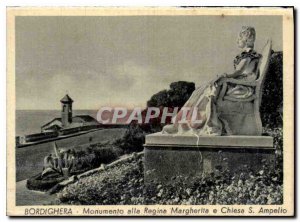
<point>66,99</point>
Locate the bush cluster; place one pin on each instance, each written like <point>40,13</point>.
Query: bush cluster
<point>133,139</point>
<point>176,96</point>
<point>272,96</point>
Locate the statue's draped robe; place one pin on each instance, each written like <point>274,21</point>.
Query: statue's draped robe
<point>201,105</point>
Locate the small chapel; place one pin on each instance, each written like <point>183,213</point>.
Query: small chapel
<point>67,120</point>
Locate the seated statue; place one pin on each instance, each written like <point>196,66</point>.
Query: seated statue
<point>213,108</point>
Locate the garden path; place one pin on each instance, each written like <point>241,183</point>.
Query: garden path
<point>25,197</point>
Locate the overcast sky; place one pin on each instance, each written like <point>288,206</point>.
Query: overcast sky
<point>109,61</point>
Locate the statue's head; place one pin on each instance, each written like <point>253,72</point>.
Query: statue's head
<point>246,37</point>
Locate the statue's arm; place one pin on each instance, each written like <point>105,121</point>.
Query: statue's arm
<point>239,68</point>
<point>239,82</point>
<point>238,71</point>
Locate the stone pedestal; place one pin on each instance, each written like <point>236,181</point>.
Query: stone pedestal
<point>188,155</point>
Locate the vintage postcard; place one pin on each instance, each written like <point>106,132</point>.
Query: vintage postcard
<point>150,111</point>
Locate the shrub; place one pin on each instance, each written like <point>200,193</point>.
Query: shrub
<point>133,139</point>
<point>106,154</point>
<point>94,156</point>
<point>43,184</point>
<point>176,96</point>
<point>272,97</point>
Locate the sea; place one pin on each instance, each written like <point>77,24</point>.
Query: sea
<point>30,121</point>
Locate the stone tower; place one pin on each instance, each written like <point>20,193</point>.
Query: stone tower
<point>66,112</point>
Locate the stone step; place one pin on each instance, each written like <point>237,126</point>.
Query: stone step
<point>190,140</point>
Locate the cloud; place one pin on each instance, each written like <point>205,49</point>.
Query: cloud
<point>123,60</point>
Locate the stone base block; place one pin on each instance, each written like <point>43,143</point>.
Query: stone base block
<point>168,155</point>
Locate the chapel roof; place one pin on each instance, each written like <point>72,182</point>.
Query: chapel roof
<point>66,99</point>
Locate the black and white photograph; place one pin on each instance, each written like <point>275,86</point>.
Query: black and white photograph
<point>150,111</point>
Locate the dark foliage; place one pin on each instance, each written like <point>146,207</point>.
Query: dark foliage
<point>100,153</point>
<point>43,184</point>
<point>159,99</point>
<point>93,156</point>
<point>277,134</point>
<point>176,96</point>
<point>272,97</point>
<point>133,139</point>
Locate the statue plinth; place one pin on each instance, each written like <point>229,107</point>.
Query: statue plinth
<point>168,155</point>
